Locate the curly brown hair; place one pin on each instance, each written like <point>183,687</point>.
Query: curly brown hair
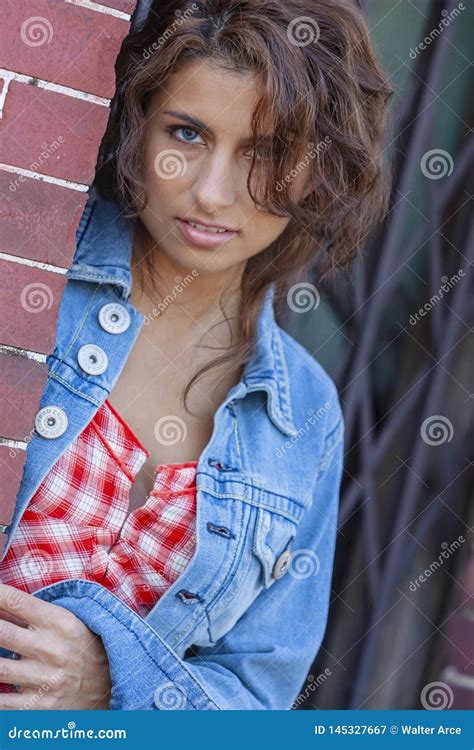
<point>323,90</point>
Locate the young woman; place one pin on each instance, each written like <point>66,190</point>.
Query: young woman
<point>174,532</point>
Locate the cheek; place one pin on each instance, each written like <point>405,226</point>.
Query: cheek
<point>265,229</point>
<point>164,165</point>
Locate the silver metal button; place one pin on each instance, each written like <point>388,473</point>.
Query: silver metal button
<point>281,565</point>
<point>114,318</point>
<point>92,359</point>
<point>51,422</point>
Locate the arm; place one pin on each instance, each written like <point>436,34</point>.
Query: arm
<point>263,661</point>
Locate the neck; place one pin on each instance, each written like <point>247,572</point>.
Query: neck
<point>184,298</point>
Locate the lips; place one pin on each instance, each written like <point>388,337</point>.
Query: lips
<point>203,237</point>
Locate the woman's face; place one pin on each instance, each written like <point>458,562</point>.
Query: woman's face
<point>198,148</point>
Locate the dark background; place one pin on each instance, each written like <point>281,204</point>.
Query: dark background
<point>406,385</point>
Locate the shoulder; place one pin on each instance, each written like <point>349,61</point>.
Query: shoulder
<point>312,390</point>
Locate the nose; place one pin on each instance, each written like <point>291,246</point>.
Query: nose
<point>214,187</point>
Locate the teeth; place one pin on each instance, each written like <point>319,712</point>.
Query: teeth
<point>202,228</point>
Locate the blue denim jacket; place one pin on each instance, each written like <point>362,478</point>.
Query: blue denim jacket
<point>240,627</point>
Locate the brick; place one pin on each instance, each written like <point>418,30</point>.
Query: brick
<point>53,134</point>
<point>38,219</point>
<point>12,462</point>
<point>127,6</point>
<point>29,301</point>
<point>36,120</point>
<point>22,382</point>
<point>62,43</point>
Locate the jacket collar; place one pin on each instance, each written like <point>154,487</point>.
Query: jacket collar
<point>102,226</point>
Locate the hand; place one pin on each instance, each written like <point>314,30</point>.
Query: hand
<point>61,664</point>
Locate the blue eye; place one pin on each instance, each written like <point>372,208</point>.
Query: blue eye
<point>185,128</point>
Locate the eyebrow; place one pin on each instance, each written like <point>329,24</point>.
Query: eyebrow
<point>203,128</point>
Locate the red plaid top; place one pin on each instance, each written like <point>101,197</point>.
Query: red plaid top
<point>76,524</point>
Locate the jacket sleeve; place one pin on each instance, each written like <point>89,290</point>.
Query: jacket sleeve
<point>263,661</point>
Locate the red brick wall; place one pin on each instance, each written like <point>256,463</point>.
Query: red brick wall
<point>56,80</point>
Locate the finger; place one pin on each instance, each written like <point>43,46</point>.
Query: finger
<point>18,701</point>
<point>11,618</point>
<point>26,673</point>
<point>21,640</point>
<point>26,607</point>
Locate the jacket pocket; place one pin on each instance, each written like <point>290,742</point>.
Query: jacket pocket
<point>273,536</point>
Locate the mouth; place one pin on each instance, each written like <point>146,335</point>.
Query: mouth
<point>203,235</point>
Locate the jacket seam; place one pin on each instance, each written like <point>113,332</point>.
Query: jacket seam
<point>258,485</point>
<point>78,331</point>
<point>336,436</point>
<point>272,509</point>
<point>71,388</point>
